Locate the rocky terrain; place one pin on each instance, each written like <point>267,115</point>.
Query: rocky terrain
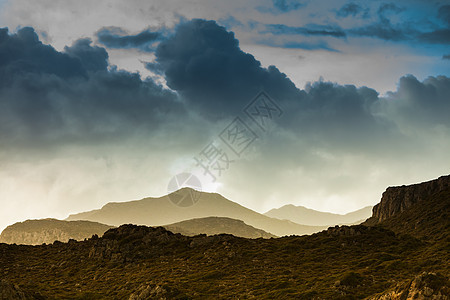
<point>398,199</point>
<point>405,256</point>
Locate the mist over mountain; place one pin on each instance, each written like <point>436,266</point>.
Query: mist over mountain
<point>161,211</point>
<point>307,216</point>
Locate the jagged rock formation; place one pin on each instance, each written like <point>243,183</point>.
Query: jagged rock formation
<point>421,210</point>
<point>397,199</point>
<point>426,286</point>
<point>36,232</point>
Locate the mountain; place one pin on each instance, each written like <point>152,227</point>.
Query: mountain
<point>217,225</point>
<point>161,211</point>
<point>306,216</point>
<point>36,232</point>
<point>421,210</point>
<point>402,256</point>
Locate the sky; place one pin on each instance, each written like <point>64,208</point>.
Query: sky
<point>322,104</point>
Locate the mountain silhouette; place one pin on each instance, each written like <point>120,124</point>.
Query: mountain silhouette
<point>217,225</point>
<point>161,211</point>
<point>307,216</point>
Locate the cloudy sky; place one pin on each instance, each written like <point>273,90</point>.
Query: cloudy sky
<point>108,100</point>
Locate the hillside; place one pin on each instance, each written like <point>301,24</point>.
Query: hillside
<point>217,225</point>
<point>404,256</point>
<point>421,210</point>
<point>161,211</point>
<point>36,232</point>
<point>129,261</point>
<point>306,216</point>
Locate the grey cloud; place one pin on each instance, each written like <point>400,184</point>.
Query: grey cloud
<point>93,58</point>
<point>23,52</point>
<point>114,37</point>
<point>352,9</point>
<point>203,62</point>
<point>444,13</point>
<point>48,97</point>
<point>311,30</point>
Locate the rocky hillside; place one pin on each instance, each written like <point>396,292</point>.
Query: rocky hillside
<point>218,225</point>
<point>421,210</point>
<point>397,199</point>
<point>139,262</point>
<point>405,256</point>
<point>36,232</point>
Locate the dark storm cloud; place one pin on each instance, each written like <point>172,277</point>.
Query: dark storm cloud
<point>405,31</point>
<point>203,62</point>
<point>383,28</point>
<point>321,45</point>
<point>93,58</point>
<point>114,37</point>
<point>386,8</point>
<point>49,97</point>
<point>421,104</point>
<point>352,9</point>
<point>440,36</point>
<point>287,5</point>
<point>311,30</point>
<point>444,13</point>
<point>22,52</point>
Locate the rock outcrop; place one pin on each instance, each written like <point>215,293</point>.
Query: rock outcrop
<point>423,287</point>
<point>397,199</point>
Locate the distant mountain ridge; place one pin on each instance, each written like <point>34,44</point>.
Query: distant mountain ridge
<point>307,216</point>
<point>36,232</point>
<point>217,225</point>
<point>161,211</point>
